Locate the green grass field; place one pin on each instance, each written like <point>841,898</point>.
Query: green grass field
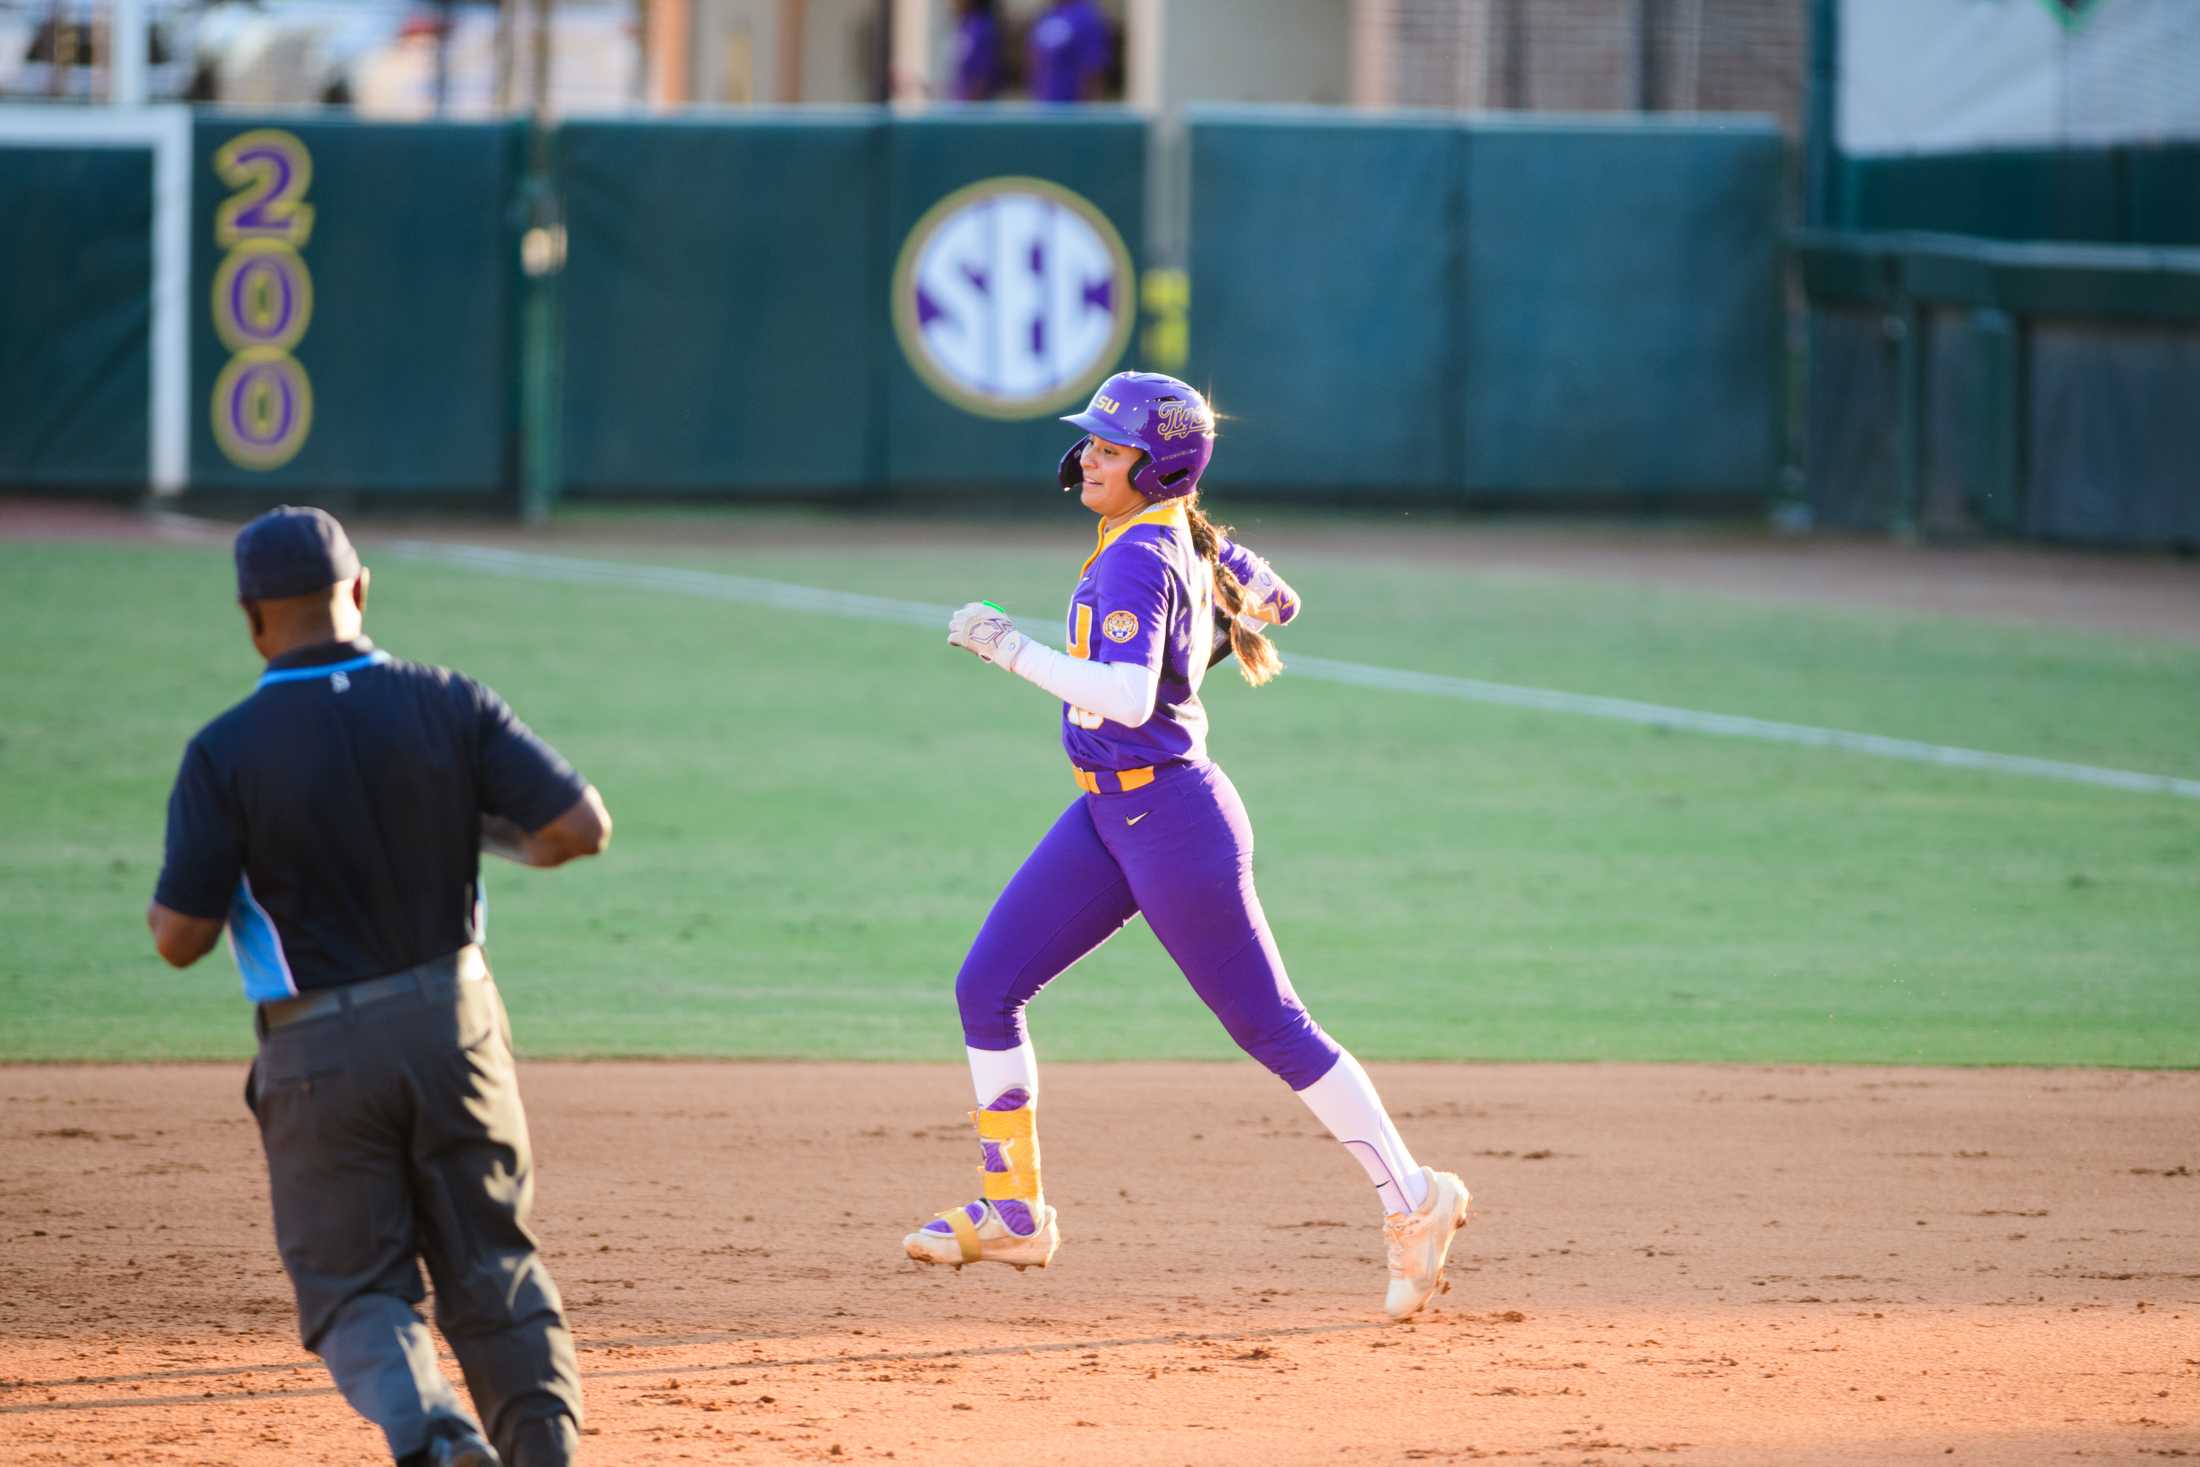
<point>814,813</point>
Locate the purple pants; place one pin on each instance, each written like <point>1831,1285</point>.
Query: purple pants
<point>1179,850</point>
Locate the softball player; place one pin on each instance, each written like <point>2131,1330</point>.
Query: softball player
<point>1158,830</point>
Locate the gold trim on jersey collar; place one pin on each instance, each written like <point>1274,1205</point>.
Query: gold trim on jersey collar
<point>1171,513</point>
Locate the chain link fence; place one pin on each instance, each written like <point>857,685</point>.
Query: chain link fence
<point>1593,56</point>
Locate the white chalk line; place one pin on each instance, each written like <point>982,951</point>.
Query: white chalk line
<point>786,596</point>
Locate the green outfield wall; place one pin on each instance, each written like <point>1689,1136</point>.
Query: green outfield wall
<point>850,301</point>
<point>838,303</point>
<point>721,304</point>
<point>2136,194</point>
<point>1621,324</point>
<point>1049,207</point>
<point>1505,308</point>
<point>1965,386</point>
<point>76,257</point>
<point>353,293</point>
<point>1327,256</point>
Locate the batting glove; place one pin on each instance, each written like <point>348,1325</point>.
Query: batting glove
<point>1267,600</point>
<point>980,629</point>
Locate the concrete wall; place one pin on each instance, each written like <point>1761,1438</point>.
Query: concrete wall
<point>1185,51</point>
<point>736,51</point>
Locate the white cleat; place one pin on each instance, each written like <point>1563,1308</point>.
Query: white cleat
<point>1419,1241</point>
<point>986,1241</point>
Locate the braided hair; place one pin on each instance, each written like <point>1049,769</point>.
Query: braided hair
<point>1257,658</point>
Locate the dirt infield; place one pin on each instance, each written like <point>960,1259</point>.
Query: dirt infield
<point>1685,1264</point>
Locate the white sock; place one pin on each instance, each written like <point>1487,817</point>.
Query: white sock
<point>995,1072</point>
<point>1345,1101</point>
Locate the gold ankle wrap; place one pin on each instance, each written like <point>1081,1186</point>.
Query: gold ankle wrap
<point>1015,1133</point>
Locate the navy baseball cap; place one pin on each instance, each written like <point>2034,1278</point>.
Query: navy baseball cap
<point>292,551</point>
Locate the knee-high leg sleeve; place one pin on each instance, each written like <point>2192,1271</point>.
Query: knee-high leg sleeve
<point>1065,900</point>
<point>1189,861</point>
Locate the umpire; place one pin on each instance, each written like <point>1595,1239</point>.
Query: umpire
<point>333,821</point>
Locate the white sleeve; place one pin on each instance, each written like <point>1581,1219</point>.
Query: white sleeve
<point>1122,692</point>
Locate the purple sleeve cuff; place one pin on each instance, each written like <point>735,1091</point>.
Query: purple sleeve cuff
<point>1267,595</point>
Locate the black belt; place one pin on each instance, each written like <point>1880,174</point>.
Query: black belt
<point>464,966</point>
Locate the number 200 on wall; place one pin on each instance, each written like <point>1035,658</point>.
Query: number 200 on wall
<point>263,298</point>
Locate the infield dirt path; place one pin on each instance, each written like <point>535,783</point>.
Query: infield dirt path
<point>1675,1264</point>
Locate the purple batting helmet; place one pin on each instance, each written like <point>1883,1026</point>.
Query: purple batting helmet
<point>1166,418</point>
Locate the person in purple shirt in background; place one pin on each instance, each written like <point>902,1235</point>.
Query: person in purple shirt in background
<point>1068,52</point>
<point>977,59</point>
<point>1157,829</point>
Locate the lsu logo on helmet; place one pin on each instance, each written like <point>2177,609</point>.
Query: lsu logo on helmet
<point>1120,626</point>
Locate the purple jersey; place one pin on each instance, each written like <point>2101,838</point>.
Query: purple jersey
<point>1068,48</point>
<point>977,57</point>
<point>1146,597</point>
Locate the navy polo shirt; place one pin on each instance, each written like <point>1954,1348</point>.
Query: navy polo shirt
<point>333,818</point>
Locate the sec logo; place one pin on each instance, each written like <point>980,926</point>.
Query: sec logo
<point>1120,626</point>
<point>1012,297</point>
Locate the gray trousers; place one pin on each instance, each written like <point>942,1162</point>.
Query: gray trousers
<point>394,1135</point>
